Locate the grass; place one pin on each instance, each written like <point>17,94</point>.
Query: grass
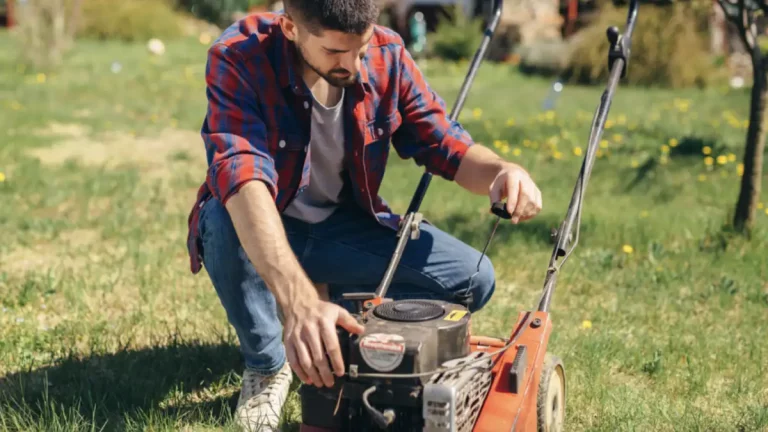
<point>659,314</point>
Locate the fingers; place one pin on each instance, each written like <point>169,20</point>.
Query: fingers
<point>320,363</point>
<point>331,342</point>
<point>305,361</point>
<point>349,323</point>
<point>522,202</point>
<point>293,360</point>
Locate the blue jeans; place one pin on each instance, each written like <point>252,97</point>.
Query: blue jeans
<point>350,252</point>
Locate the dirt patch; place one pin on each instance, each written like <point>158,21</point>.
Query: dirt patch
<point>156,155</point>
<point>63,253</point>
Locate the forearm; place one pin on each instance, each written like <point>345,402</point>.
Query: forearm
<point>478,168</point>
<point>262,235</point>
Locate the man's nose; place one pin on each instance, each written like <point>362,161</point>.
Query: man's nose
<point>351,63</point>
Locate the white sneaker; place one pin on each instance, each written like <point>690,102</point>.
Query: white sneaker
<point>261,400</point>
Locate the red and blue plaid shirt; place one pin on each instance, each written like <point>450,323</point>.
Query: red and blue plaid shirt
<point>259,112</point>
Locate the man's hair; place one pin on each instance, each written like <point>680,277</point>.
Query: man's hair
<point>347,16</point>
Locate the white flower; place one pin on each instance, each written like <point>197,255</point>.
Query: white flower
<point>156,46</point>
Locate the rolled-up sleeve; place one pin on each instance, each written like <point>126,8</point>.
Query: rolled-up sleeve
<point>427,134</point>
<point>234,131</point>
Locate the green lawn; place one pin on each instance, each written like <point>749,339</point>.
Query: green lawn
<point>660,315</point>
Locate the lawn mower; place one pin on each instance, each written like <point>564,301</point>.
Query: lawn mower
<point>417,367</point>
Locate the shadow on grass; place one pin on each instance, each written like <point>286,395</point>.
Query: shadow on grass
<point>180,382</point>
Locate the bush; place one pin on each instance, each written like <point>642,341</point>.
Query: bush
<point>668,48</point>
<point>218,12</point>
<point>457,38</point>
<point>130,20</point>
<point>46,30</point>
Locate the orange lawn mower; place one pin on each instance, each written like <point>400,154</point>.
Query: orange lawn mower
<point>417,367</point>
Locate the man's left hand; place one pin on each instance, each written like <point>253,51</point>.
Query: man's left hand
<point>516,185</point>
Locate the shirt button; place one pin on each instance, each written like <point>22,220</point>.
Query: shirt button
<point>380,131</point>
<point>281,144</point>
<point>306,105</point>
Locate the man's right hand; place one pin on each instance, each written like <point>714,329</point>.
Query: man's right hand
<point>310,334</point>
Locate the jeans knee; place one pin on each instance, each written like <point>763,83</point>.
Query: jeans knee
<point>483,284</point>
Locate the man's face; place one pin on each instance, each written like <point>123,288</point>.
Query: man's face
<point>334,56</point>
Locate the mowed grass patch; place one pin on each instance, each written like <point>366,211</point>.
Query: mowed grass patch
<point>658,313</point>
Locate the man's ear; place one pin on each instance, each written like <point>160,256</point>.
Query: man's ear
<point>288,26</point>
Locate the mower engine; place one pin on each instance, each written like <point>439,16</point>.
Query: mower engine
<point>390,386</point>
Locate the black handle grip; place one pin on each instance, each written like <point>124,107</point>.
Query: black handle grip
<point>500,210</point>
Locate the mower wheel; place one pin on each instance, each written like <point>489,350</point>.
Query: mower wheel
<point>550,401</point>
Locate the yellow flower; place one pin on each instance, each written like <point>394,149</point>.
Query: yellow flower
<point>599,153</point>
<point>205,38</point>
<point>665,148</point>
<point>740,169</point>
<point>609,124</point>
<point>702,177</point>
<point>510,121</point>
<point>577,151</point>
<point>644,214</point>
<point>618,138</point>
<point>766,211</point>
<point>722,159</point>
<point>673,142</point>
<point>41,78</point>
<point>516,151</point>
<point>586,324</point>
<point>2,177</point>
<point>15,105</point>
<point>498,144</point>
<point>557,155</point>
<point>708,160</point>
<point>760,205</point>
<point>604,143</point>
<point>635,163</point>
<point>731,157</point>
<point>550,115</point>
<point>622,119</point>
<point>627,249</point>
<point>477,112</point>
<point>706,150</point>
<point>527,142</point>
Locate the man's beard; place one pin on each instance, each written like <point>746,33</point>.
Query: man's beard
<point>335,77</point>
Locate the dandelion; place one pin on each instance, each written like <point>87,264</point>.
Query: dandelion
<point>673,142</point>
<point>15,105</point>
<point>635,163</point>
<point>550,115</point>
<point>766,211</point>
<point>665,148</point>
<point>622,119</point>
<point>722,159</point>
<point>2,177</point>
<point>477,113</point>
<point>706,150</point>
<point>627,249</point>
<point>604,143</point>
<point>618,138</point>
<point>609,124</point>
<point>41,78</point>
<point>577,151</point>
<point>708,161</point>
<point>644,214</point>
<point>557,155</point>
<point>516,151</point>
<point>740,169</point>
<point>731,157</point>
<point>498,144</point>
<point>760,205</point>
<point>702,177</point>
<point>510,121</point>
<point>599,153</point>
<point>586,324</point>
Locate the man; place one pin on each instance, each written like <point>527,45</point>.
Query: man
<point>303,105</point>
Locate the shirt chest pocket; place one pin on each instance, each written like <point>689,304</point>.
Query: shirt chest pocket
<point>378,134</point>
<point>291,160</point>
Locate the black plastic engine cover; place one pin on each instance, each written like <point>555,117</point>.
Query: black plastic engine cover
<point>410,336</point>
<point>405,336</point>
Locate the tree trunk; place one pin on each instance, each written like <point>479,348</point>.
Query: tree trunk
<point>749,195</point>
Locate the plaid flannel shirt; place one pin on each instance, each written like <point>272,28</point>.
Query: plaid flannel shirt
<point>257,125</point>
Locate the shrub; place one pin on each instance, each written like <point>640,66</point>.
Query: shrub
<point>130,20</point>
<point>219,12</point>
<point>46,30</point>
<point>668,48</point>
<point>456,38</point>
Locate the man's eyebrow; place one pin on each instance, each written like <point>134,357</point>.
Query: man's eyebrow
<point>335,50</point>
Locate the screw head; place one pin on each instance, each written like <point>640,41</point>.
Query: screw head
<point>536,323</point>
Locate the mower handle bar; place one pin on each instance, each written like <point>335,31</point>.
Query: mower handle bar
<point>410,222</point>
<point>618,60</point>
